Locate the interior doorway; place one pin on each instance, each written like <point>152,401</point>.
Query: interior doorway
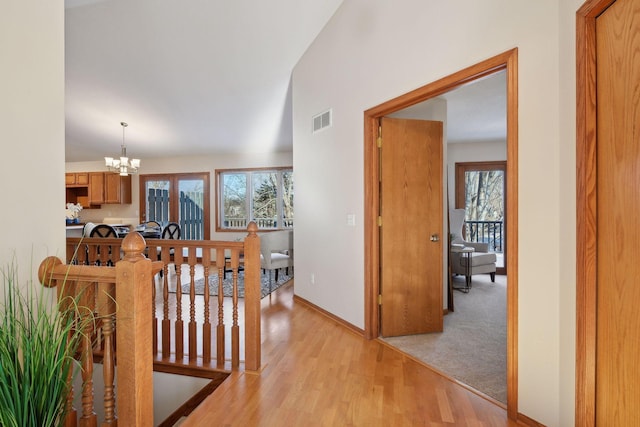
<point>507,62</point>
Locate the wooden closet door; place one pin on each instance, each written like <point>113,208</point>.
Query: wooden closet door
<point>618,207</point>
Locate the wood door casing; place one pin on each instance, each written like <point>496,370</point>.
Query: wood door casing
<point>411,211</point>
<point>507,61</point>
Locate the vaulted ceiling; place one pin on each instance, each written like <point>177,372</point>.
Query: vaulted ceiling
<point>189,77</point>
<point>197,77</point>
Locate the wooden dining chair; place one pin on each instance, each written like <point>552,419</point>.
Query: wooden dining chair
<point>170,231</point>
<point>104,231</point>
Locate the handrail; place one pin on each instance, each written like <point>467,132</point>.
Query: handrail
<point>101,289</point>
<point>123,296</point>
<point>175,338</point>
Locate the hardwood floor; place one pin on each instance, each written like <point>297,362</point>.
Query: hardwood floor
<point>316,372</point>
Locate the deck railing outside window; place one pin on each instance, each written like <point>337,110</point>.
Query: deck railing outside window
<point>490,232</point>
<point>262,223</point>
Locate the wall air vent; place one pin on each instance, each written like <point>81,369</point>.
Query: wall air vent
<point>321,121</point>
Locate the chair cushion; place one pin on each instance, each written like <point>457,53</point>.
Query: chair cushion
<point>479,258</point>
<point>275,256</point>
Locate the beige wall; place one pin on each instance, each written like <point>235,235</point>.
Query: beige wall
<point>32,122</point>
<point>372,51</point>
<point>566,194</point>
<point>179,165</point>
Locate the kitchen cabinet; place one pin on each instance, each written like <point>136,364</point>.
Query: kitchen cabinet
<point>117,189</point>
<point>75,195</point>
<point>76,178</point>
<point>93,189</point>
<point>96,188</point>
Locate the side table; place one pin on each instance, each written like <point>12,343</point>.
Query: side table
<point>466,251</point>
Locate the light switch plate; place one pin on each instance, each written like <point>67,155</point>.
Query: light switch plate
<point>351,220</point>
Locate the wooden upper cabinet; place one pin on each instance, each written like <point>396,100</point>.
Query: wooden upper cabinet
<point>96,188</point>
<point>117,189</point>
<point>93,189</point>
<point>76,178</point>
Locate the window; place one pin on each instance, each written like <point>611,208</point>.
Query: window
<point>480,190</point>
<point>261,195</point>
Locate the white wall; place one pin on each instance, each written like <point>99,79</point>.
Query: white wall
<point>179,165</point>
<point>374,50</point>
<point>484,151</point>
<point>32,123</point>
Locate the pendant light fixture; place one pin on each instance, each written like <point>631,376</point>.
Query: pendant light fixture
<point>123,165</point>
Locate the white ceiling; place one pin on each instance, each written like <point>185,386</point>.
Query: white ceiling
<point>207,76</point>
<point>476,112</point>
<point>189,77</point>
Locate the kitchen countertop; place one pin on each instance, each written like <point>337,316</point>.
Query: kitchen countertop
<point>75,230</point>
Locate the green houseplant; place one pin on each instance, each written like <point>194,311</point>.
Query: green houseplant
<point>39,336</point>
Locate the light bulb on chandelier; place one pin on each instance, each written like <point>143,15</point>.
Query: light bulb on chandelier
<point>122,165</point>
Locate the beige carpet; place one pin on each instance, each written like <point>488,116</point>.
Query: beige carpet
<point>473,346</point>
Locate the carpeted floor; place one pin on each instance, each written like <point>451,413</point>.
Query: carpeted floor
<point>473,346</point>
<point>267,286</point>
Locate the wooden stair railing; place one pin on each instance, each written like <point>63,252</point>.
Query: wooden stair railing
<point>186,338</point>
<point>114,295</point>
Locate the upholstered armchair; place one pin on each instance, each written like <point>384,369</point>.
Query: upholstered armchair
<point>468,263</point>
<point>276,251</point>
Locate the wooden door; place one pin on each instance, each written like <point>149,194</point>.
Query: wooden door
<point>618,204</point>
<point>411,210</point>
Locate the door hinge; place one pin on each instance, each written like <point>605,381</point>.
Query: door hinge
<point>379,299</point>
<point>379,221</point>
<point>379,139</point>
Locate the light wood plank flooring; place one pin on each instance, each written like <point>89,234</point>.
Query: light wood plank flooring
<point>318,373</point>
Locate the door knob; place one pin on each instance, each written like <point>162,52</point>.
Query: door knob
<point>435,238</point>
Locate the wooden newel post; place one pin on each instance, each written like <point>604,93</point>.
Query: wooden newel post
<point>252,297</point>
<point>133,337</point>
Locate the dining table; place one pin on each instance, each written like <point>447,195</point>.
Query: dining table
<point>147,233</point>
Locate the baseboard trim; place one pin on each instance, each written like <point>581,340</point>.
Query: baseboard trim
<point>526,421</point>
<point>331,316</point>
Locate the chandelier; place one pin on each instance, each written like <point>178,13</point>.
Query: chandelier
<point>123,165</point>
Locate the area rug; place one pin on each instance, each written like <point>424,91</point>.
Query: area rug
<point>227,284</point>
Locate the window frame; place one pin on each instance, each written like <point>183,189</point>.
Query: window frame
<point>461,168</point>
<point>280,170</point>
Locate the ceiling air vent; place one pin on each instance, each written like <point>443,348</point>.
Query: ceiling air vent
<point>321,121</point>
